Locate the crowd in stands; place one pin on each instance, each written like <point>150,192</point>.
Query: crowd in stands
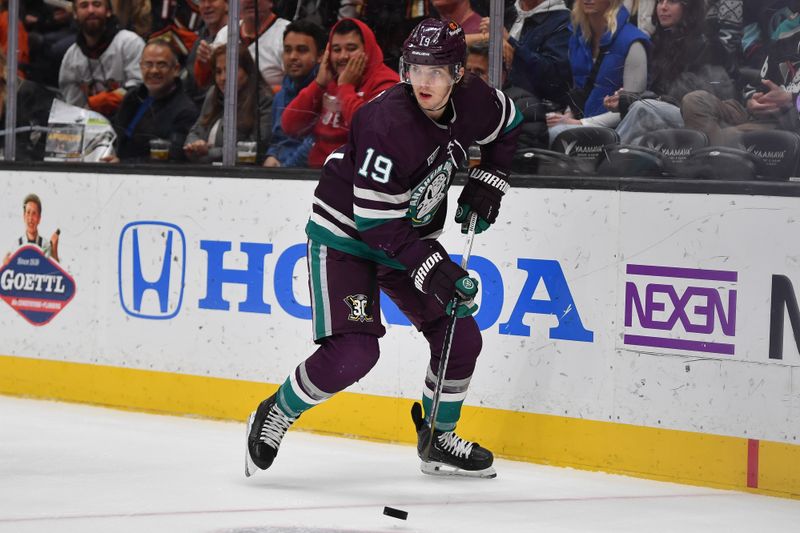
<point>156,68</point>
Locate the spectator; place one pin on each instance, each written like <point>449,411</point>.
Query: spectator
<point>23,53</point>
<point>459,11</point>
<point>134,15</point>
<point>351,73</point>
<point>324,13</point>
<point>104,62</point>
<point>770,105</point>
<point>725,20</point>
<point>642,14</point>
<point>176,22</point>
<point>32,216</point>
<point>391,21</point>
<point>182,16</point>
<point>51,31</point>
<point>23,50</point>
<point>205,140</point>
<point>761,19</point>
<point>159,108</point>
<point>606,53</point>
<point>33,109</point>
<point>303,46</point>
<point>533,132</point>
<point>214,14</point>
<point>268,32</point>
<point>537,36</point>
<point>684,59</point>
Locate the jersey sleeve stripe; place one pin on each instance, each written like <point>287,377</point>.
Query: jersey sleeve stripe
<point>369,194</point>
<point>328,225</point>
<point>334,213</point>
<point>382,214</point>
<point>504,101</point>
<point>514,119</point>
<point>365,224</point>
<point>332,156</point>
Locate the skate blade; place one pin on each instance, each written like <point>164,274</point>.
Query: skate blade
<point>250,467</point>
<point>434,468</point>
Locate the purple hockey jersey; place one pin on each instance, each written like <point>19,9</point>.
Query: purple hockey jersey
<point>383,195</point>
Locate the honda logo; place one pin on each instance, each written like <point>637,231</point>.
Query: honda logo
<point>151,269</point>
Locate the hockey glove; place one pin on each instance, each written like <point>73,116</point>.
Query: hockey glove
<point>481,194</point>
<point>438,276</point>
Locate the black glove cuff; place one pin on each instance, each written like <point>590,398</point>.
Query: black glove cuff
<point>437,275</point>
<point>423,274</point>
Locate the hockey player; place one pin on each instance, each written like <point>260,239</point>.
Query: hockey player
<point>378,209</point>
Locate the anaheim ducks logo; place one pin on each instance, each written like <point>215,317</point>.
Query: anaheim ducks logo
<point>429,194</point>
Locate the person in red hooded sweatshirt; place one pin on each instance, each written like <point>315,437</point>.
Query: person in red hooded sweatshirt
<point>352,73</point>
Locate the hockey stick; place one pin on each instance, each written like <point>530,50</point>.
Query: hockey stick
<point>448,338</point>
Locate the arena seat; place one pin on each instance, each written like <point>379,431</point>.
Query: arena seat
<point>632,161</point>
<point>584,144</point>
<point>545,162</point>
<point>721,163</point>
<point>675,144</point>
<point>779,151</point>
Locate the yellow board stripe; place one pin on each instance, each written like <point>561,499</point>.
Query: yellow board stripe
<point>654,453</point>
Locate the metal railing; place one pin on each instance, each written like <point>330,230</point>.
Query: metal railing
<point>232,66</point>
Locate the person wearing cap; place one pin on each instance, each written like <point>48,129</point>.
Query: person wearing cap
<point>378,209</point>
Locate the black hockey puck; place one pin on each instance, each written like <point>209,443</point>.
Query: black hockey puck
<point>395,513</point>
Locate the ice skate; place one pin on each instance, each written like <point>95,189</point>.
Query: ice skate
<point>265,430</point>
<point>450,455</point>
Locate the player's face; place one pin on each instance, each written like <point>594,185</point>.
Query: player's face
<point>669,12</point>
<point>342,47</point>
<point>300,54</point>
<point>219,74</point>
<point>31,216</point>
<point>432,86</point>
<point>478,65</point>
<point>91,15</point>
<point>213,11</point>
<point>159,70</point>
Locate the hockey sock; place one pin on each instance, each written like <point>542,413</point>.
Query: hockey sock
<point>448,415</point>
<point>293,400</point>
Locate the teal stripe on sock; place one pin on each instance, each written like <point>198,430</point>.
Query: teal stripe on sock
<point>448,415</point>
<point>289,402</point>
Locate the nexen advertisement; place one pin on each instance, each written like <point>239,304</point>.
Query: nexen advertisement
<point>152,276</point>
<point>677,308</point>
